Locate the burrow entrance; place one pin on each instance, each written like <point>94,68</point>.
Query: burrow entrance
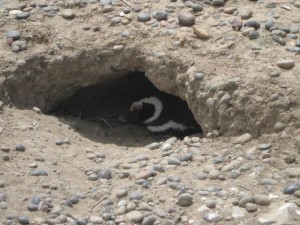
<point>95,110</point>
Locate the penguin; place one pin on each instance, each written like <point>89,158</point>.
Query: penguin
<point>162,114</point>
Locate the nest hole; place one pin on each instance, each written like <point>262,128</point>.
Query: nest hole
<point>95,111</point>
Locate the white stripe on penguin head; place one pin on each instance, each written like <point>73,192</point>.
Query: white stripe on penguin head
<point>158,107</point>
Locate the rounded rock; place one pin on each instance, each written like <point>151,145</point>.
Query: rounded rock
<point>291,189</point>
<point>22,16</point>
<point>250,207</point>
<point>186,19</point>
<point>161,15</point>
<point>200,32</point>
<point>134,216</point>
<point>68,14</point>
<point>286,63</point>
<point>143,17</point>
<point>20,148</point>
<point>23,219</point>
<point>185,200</point>
<point>14,34</point>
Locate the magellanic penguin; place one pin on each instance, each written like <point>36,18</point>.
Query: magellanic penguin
<point>163,114</point>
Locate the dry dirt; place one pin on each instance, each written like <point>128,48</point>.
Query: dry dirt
<point>62,57</point>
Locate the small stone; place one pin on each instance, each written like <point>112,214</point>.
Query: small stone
<point>74,199</point>
<point>115,20</point>
<point>286,63</point>
<point>107,8</point>
<point>37,110</point>
<point>242,139</point>
<point>20,45</point>
<point>35,200</point>
<point>9,41</point>
<point>213,174</point>
<point>290,159</point>
<point>253,35</point>
<point>135,195</point>
<point>200,32</point>
<point>166,147</point>
<point>161,15</point>
<point>173,178</point>
<point>134,216</point>
<point>160,213</point>
<point>212,217</point>
<point>105,174</point>
<point>246,15</point>
<point>143,17</point>
<point>293,172</point>
<point>149,220</point>
<point>186,18</point>
<point>210,203</point>
<point>252,23</point>
<point>279,126</point>
<point>68,14</point>
<point>197,7</point>
<point>144,174</point>
<point>185,200</point>
<point>32,207</point>
<point>96,220</point>
<point>20,148</point>
<point>14,34</point>
<point>122,193</point>
<point>22,16</point>
<point>218,2</point>
<point>274,73</point>
<point>23,219</point>
<point>229,10</point>
<point>262,200</point>
<point>246,199</point>
<point>297,194</point>
<point>250,207</point>
<point>3,205</point>
<point>291,188</point>
<point>269,24</point>
<point>186,157</point>
<point>38,172</point>
<point>265,146</point>
<point>118,48</point>
<point>271,5</point>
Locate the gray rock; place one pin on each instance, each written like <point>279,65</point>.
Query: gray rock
<point>262,200</point>
<point>121,193</point>
<point>35,200</point>
<point>174,178</point>
<point>23,219</point>
<point>185,200</point>
<point>268,181</point>
<point>105,174</point>
<point>211,203</point>
<point>246,15</point>
<point>265,146</point>
<point>134,216</point>
<point>107,9</point>
<point>250,207</point>
<point>32,207</point>
<point>143,17</point>
<point>279,33</point>
<point>105,2</point>
<point>196,7</point>
<point>115,20</point>
<point>68,14</point>
<point>160,213</point>
<point>291,188</point>
<point>161,15</point>
<point>38,172</point>
<point>275,73</point>
<point>271,5</point>
<point>186,19</point>
<point>96,220</point>
<point>21,45</point>
<point>253,35</point>
<point>198,76</point>
<point>135,195</point>
<point>269,24</point>
<point>252,23</point>
<point>93,177</point>
<point>14,34</point>
<point>212,217</point>
<point>286,63</point>
<point>3,205</point>
<point>22,16</point>
<point>290,159</point>
<point>186,157</point>
<point>218,2</point>
<point>149,220</point>
<point>279,126</point>
<point>174,161</point>
<point>74,199</point>
<point>246,199</point>
<point>213,174</point>
<point>20,148</point>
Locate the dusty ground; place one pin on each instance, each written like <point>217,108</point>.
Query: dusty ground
<point>223,173</point>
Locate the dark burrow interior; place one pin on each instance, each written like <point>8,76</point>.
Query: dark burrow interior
<point>95,111</point>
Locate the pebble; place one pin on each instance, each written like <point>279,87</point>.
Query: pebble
<point>161,15</point>
<point>160,213</point>
<point>218,2</point>
<point>210,203</point>
<point>186,157</point>
<point>269,24</point>
<point>242,139</point>
<point>23,219</point>
<point>253,35</point>
<point>274,73</point>
<point>200,32</point>
<point>96,220</point>
<point>22,16</point>
<point>135,196</point>
<point>18,46</point>
<point>186,18</point>
<point>229,10</point>
<point>38,172</point>
<point>246,15</point>
<point>149,220</point>
<point>185,200</point>
<point>252,23</point>
<point>262,200</point>
<point>14,34</point>
<point>118,48</point>
<point>68,14</point>
<point>250,207</point>
<point>286,63</point>
<point>246,199</point>
<point>290,159</point>
<point>293,172</point>
<point>213,174</point>
<point>279,126</point>
<point>20,148</point>
<point>35,200</point>
<point>105,174</point>
<point>291,188</point>
<point>143,17</point>
<point>134,216</point>
<point>212,217</point>
<point>265,146</point>
<point>173,178</point>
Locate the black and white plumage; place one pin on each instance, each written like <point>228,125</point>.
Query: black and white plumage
<point>162,114</point>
